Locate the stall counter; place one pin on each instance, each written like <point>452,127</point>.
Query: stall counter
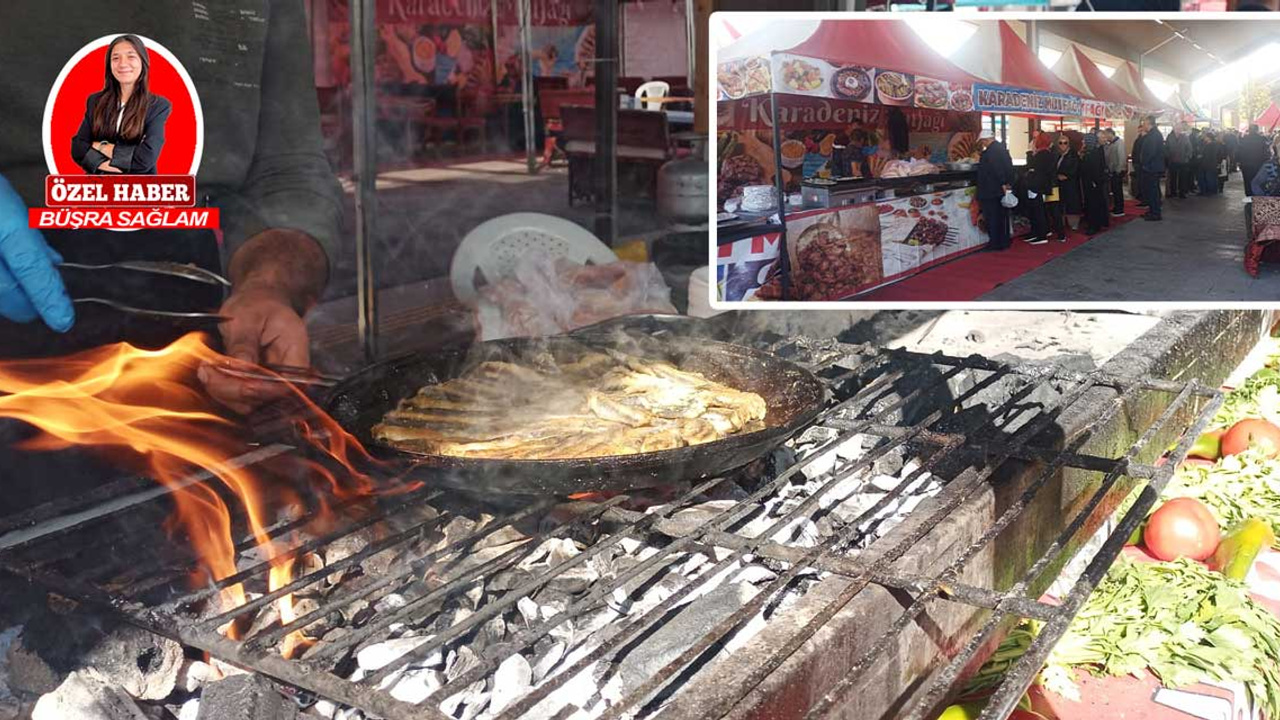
<point>837,253</point>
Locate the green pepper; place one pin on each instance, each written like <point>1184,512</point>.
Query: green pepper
<point>1207,446</point>
<point>1240,547</point>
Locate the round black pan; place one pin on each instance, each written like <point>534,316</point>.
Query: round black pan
<point>793,396</point>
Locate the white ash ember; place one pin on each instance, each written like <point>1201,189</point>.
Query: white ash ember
<point>484,675</point>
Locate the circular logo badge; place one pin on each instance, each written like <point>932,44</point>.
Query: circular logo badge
<point>84,75</point>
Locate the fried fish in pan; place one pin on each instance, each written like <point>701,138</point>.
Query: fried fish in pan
<point>595,405</point>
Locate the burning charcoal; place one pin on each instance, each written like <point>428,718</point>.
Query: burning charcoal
<point>416,684</point>
<point>528,610</point>
<point>189,710</point>
<point>548,661</point>
<point>458,528</point>
<point>493,631</point>
<point>755,574</point>
<point>576,580</point>
<point>245,697</point>
<point>27,671</point>
<point>379,655</point>
<point>475,593</point>
<point>890,463</point>
<point>509,579</point>
<point>86,695</point>
<point>886,483</point>
<point>502,536</point>
<point>341,549</point>
<point>821,465</point>
<point>471,701</point>
<point>196,673</point>
<point>510,682</point>
<point>693,519</point>
<point>731,491</point>
<point>388,602</point>
<point>679,634</point>
<point>851,449</point>
<point>464,660</point>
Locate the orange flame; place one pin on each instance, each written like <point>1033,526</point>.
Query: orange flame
<point>145,408</point>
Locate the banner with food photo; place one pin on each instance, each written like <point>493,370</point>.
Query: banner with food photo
<point>805,76</point>
<point>932,94</point>
<point>747,269</point>
<point>742,78</point>
<point>834,254</point>
<point>894,88</point>
<point>924,229</point>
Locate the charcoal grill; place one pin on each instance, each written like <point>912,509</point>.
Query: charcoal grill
<point>934,407</point>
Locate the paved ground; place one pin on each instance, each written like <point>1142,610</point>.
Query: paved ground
<point>1195,254</point>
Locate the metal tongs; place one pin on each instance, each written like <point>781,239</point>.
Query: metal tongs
<point>155,267</point>
<point>275,373</point>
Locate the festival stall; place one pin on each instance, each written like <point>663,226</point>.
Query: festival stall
<point>814,120</point>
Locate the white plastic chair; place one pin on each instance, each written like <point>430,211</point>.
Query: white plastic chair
<point>652,89</point>
<point>494,249</point>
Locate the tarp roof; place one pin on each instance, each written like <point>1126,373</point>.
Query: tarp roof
<point>1010,63</point>
<point>782,34</point>
<point>1079,71</point>
<point>889,45</point>
<point>1188,106</point>
<point>1269,117</point>
<point>1130,80</point>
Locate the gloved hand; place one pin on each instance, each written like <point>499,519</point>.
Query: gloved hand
<point>30,285</point>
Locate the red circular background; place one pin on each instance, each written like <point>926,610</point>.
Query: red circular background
<point>178,154</point>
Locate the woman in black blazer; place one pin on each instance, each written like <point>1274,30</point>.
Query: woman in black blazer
<point>123,126</point>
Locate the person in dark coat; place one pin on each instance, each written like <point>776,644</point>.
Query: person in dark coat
<point>995,178</point>
<point>1093,184</point>
<point>1252,154</point>
<point>1040,182</point>
<point>1068,176</point>
<point>1135,155</point>
<point>1117,168</point>
<point>1232,141</point>
<point>1152,168</point>
<point>1207,164</point>
<point>1177,151</point>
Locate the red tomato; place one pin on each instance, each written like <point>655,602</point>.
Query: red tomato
<point>1251,431</point>
<point>1182,527</point>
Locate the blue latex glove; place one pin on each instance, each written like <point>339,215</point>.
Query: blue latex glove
<point>30,285</point>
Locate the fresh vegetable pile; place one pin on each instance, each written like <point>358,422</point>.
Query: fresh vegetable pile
<point>1182,621</point>
<point>1190,618</point>
<point>1236,488</point>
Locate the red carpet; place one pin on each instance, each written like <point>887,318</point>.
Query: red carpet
<point>969,277</point>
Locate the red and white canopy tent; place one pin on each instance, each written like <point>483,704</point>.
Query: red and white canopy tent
<point>870,47</point>
<point>1077,70</point>
<point>996,54</point>
<point>1129,79</point>
<point>1269,118</point>
<point>888,45</point>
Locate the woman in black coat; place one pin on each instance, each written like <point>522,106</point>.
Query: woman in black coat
<point>123,126</point>
<point>1068,175</point>
<point>1093,183</point>
<point>1041,180</point>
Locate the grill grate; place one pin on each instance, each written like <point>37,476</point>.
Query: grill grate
<point>932,407</point>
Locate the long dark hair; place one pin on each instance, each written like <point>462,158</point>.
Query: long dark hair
<point>135,110</point>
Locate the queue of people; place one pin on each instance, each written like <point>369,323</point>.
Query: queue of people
<point>1076,181</point>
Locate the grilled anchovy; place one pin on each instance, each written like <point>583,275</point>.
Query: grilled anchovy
<point>595,405</point>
